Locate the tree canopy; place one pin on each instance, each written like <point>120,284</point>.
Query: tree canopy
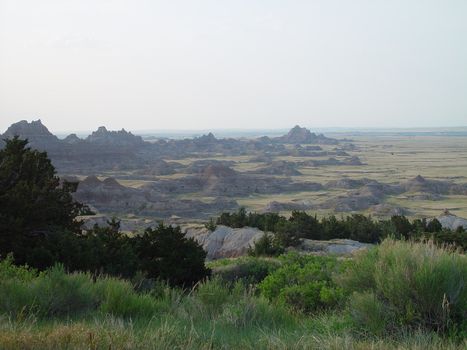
<point>33,202</point>
<point>39,226</point>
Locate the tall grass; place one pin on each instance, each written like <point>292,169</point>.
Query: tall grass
<point>410,285</point>
<point>58,310</point>
<point>55,293</point>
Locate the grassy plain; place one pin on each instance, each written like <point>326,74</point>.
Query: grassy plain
<point>388,159</point>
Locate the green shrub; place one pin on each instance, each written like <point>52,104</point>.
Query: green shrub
<point>266,245</point>
<point>420,284</point>
<point>10,271</point>
<point>55,293</point>
<point>213,294</point>
<point>303,283</point>
<point>117,297</point>
<point>370,313</point>
<point>310,296</point>
<point>250,270</point>
<point>58,293</point>
<point>50,293</point>
<point>211,225</point>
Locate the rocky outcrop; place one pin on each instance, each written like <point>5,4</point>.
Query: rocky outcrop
<point>121,150</point>
<point>299,135</point>
<point>451,221</point>
<point>222,181</point>
<point>225,242</point>
<point>419,184</point>
<point>36,133</point>
<point>72,139</point>
<point>109,196</point>
<point>333,246</point>
<point>102,136</point>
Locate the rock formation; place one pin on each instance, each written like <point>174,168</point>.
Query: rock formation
<point>451,221</point>
<point>36,133</point>
<point>299,135</point>
<point>114,138</point>
<point>109,196</point>
<point>227,242</point>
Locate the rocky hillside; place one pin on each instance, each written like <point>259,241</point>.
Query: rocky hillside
<point>451,221</point>
<point>36,132</point>
<point>227,242</point>
<point>109,196</point>
<point>121,150</point>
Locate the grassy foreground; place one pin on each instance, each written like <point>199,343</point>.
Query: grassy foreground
<point>56,310</point>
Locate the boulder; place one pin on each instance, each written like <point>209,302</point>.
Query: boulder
<point>333,246</point>
<point>225,242</point>
<point>451,221</point>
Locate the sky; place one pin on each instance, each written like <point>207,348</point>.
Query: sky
<point>242,64</point>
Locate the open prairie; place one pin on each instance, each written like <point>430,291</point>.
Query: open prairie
<point>388,159</point>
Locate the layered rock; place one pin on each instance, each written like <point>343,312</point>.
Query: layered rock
<point>109,196</point>
<point>419,184</point>
<point>225,242</point>
<point>219,180</point>
<point>37,134</point>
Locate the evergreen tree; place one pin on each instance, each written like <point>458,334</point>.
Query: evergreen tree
<point>165,253</point>
<point>33,204</point>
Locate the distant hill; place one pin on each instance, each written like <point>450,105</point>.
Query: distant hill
<point>121,150</point>
<point>105,137</point>
<point>299,135</point>
<point>36,132</point>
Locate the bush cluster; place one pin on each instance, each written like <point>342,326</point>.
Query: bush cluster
<point>304,283</point>
<point>288,231</point>
<point>249,270</point>
<point>54,293</point>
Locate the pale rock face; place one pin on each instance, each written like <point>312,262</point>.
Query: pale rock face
<point>333,246</point>
<point>448,220</point>
<point>225,242</point>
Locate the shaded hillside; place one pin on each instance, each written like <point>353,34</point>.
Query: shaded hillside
<point>220,180</point>
<point>121,150</point>
<point>110,196</point>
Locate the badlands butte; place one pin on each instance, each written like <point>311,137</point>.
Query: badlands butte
<point>186,181</point>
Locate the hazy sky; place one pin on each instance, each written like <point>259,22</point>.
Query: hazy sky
<point>138,64</point>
